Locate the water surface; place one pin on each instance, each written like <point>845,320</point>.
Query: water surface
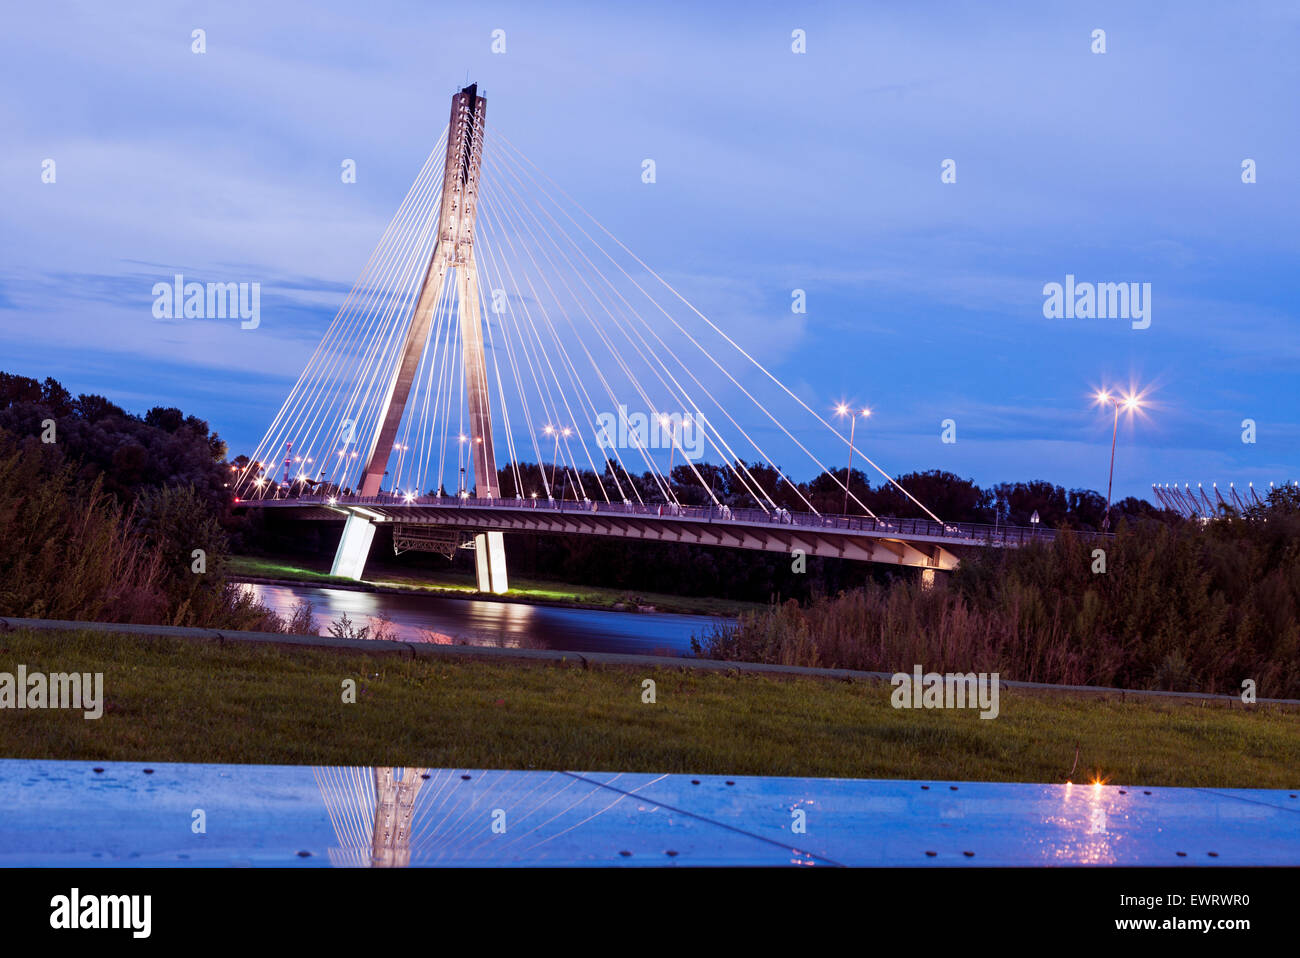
<point>418,618</point>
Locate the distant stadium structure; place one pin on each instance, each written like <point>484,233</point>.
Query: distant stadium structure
<point>1198,503</point>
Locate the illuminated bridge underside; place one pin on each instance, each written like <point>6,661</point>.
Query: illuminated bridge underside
<point>867,545</point>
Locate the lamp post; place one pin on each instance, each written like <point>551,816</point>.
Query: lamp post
<point>555,459</point>
<point>401,453</point>
<point>566,432</point>
<point>843,410</point>
<point>666,422</point>
<point>1129,403</point>
<point>460,459</point>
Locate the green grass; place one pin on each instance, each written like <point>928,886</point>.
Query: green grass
<point>460,584</point>
<point>172,700</point>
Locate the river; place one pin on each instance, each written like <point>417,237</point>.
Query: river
<point>424,618</point>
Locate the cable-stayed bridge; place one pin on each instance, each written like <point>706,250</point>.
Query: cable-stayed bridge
<point>497,317</point>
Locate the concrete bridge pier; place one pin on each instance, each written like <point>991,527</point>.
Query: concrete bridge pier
<point>354,547</point>
<point>490,563</point>
<point>359,533</point>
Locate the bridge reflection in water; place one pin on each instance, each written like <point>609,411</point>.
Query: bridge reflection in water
<point>397,817</point>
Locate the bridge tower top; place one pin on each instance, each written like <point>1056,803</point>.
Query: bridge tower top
<point>461,173</point>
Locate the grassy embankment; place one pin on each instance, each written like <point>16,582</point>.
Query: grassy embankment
<point>172,700</point>
<point>461,585</point>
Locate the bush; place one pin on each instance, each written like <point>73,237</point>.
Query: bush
<point>68,550</point>
<point>1179,607</point>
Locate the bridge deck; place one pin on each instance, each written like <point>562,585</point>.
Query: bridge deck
<point>913,542</point>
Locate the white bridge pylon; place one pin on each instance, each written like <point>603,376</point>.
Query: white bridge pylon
<point>454,252</point>
<point>497,317</point>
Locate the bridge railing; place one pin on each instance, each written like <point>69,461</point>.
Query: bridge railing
<point>974,533</point>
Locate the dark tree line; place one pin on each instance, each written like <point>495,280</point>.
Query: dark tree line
<point>128,453</point>
<point>108,516</point>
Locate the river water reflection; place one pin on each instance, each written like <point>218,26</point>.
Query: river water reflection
<point>419,618</point>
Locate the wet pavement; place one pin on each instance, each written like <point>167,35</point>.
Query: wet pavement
<point>132,814</point>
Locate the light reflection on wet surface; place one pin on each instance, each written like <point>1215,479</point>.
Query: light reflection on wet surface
<point>67,813</point>
<point>419,618</point>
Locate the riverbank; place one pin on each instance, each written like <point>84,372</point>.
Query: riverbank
<point>395,580</point>
<point>181,700</point>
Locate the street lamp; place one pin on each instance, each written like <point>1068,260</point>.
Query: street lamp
<point>843,410</point>
<point>401,454</point>
<point>666,422</point>
<point>566,432</point>
<point>555,459</point>
<point>1129,403</point>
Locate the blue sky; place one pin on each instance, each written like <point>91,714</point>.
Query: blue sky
<point>775,171</point>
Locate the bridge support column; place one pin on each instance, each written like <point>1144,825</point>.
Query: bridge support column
<point>930,576</point>
<point>354,547</point>
<point>490,563</point>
